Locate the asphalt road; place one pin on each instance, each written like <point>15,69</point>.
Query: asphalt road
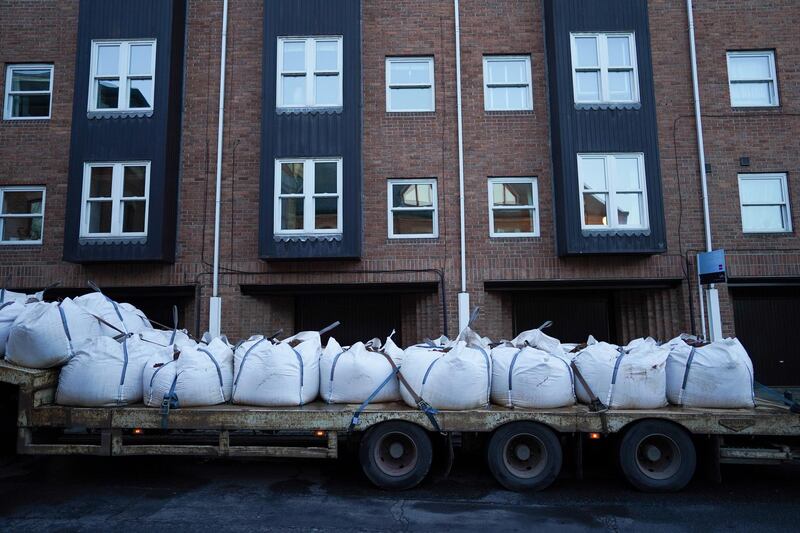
<point>187,494</point>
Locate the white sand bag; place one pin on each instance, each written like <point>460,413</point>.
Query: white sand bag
<point>630,377</point>
<point>270,373</point>
<point>204,373</point>
<point>44,333</point>
<point>451,375</point>
<point>352,374</point>
<point>105,372</point>
<point>9,311</point>
<point>123,317</point>
<point>719,375</point>
<point>158,377</point>
<point>531,372</point>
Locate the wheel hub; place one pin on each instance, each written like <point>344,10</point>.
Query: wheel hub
<point>652,453</point>
<point>525,456</point>
<point>658,457</point>
<point>396,454</point>
<point>523,452</point>
<point>396,450</point>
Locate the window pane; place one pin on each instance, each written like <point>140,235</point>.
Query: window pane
<point>133,216</point>
<point>750,68</point>
<point>107,60</point>
<point>588,86</point>
<point>22,229</point>
<point>294,90</point>
<point>100,217</point>
<point>22,202</point>
<point>592,172</point>
<point>326,90</point>
<point>513,221</point>
<point>763,218</point>
<point>32,105</point>
<point>753,94</point>
<point>291,178</point>
<point>512,194</point>
<point>141,94</point>
<point>620,85</point>
<point>761,191</point>
<point>412,222</point>
<point>626,176</point>
<point>107,94</point>
<point>325,213</point>
<point>327,55</point>
<point>100,186</point>
<point>409,72</point>
<point>594,209</point>
<point>134,179</point>
<point>413,195</point>
<point>511,72</point>
<point>586,51</point>
<point>141,60</point>
<point>30,80</point>
<point>411,99</point>
<point>325,177</point>
<point>629,210</point>
<point>291,213</point>
<point>294,56</point>
<point>619,51</point>
<point>508,98</point>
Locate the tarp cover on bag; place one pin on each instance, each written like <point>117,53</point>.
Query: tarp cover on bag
<point>453,375</point>
<point>630,377</point>
<point>531,371</point>
<point>719,375</point>
<point>105,372</point>
<point>352,374</point>
<point>270,373</point>
<point>44,333</point>
<point>123,316</point>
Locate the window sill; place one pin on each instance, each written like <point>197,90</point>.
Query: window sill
<point>105,241</point>
<point>21,244</point>
<point>410,113</point>
<point>512,238</point>
<point>308,237</point>
<point>621,106</point>
<point>767,233</point>
<point>512,112</point>
<point>99,115</point>
<point>412,240</point>
<point>336,110</point>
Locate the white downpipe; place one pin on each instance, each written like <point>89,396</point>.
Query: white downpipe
<point>715,328</point>
<point>215,305</point>
<point>463,296</point>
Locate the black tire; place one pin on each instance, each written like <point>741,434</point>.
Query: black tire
<point>524,456</point>
<point>657,456</point>
<point>396,455</point>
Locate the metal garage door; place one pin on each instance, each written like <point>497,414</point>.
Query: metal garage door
<point>767,323</point>
<point>363,316</point>
<point>575,314</point>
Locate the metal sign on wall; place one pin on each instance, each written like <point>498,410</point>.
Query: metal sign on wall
<point>711,266</point>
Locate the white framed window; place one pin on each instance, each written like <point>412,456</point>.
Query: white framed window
<point>122,75</point>
<point>115,199</point>
<point>29,92</point>
<point>21,215</point>
<point>513,207</point>
<point>752,79</point>
<point>410,84</point>
<point>413,209</point>
<point>764,201</point>
<point>309,72</point>
<point>604,68</point>
<point>613,192</point>
<point>308,196</point>
<point>507,83</point>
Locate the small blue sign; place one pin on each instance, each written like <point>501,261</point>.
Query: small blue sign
<point>712,267</point>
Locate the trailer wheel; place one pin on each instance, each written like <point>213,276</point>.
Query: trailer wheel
<point>396,455</point>
<point>657,456</point>
<point>524,456</point>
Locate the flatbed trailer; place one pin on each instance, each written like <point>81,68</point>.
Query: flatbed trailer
<point>525,448</point>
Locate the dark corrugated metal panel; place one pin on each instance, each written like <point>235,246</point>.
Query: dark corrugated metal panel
<point>154,138</point>
<point>577,129</point>
<point>313,134</point>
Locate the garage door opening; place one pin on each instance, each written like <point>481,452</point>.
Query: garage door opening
<point>362,317</point>
<point>575,314</point>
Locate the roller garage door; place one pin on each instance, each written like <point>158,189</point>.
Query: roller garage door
<point>575,314</point>
<point>362,316</point>
<point>767,323</point>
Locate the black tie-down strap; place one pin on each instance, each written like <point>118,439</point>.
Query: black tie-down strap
<point>170,401</point>
<point>595,405</point>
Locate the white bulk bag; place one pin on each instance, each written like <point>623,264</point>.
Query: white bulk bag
<point>44,333</point>
<point>630,377</point>
<point>453,375</point>
<point>204,373</point>
<point>531,372</point>
<point>270,373</point>
<point>352,374</point>
<point>123,316</point>
<point>158,377</point>
<point>11,296</point>
<point>105,372</point>
<point>9,311</point>
<point>719,375</point>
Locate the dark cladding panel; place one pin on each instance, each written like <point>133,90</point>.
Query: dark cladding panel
<point>149,136</point>
<point>313,133</point>
<point>600,129</point>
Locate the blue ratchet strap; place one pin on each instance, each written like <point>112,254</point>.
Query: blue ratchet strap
<point>356,416</point>
<point>422,405</point>
<point>170,401</point>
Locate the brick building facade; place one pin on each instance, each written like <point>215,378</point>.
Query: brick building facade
<point>412,284</point>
